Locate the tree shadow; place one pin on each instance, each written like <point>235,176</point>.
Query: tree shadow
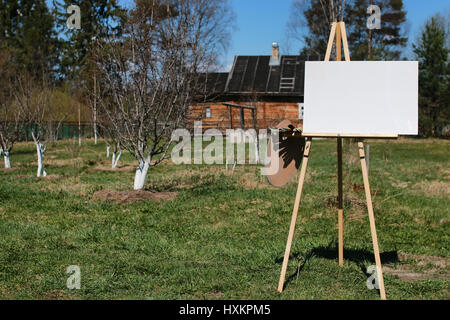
<point>358,256</point>
<point>22,151</point>
<point>290,149</point>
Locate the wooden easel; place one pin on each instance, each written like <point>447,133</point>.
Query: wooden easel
<point>338,32</point>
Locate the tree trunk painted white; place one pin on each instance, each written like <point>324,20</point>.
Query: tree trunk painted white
<point>7,162</point>
<point>256,151</point>
<point>115,159</point>
<point>40,153</point>
<point>95,110</point>
<point>107,151</point>
<point>141,174</point>
<point>79,124</point>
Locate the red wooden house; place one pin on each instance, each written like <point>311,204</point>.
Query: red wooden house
<point>258,92</point>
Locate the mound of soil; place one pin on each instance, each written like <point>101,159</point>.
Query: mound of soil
<point>126,197</point>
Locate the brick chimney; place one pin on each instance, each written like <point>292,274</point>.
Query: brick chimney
<point>275,57</point>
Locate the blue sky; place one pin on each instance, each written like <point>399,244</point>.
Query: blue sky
<point>261,22</point>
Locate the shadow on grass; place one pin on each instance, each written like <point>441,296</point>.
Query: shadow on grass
<point>23,151</point>
<point>358,256</point>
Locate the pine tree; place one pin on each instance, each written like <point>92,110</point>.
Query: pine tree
<point>8,23</point>
<point>27,28</point>
<point>432,52</point>
<point>99,18</point>
<point>313,27</point>
<point>376,44</point>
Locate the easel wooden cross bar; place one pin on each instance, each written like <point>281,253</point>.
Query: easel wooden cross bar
<point>337,32</point>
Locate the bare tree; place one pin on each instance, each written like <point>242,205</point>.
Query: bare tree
<point>33,99</point>
<point>110,137</point>
<point>310,22</point>
<point>150,74</point>
<point>11,120</point>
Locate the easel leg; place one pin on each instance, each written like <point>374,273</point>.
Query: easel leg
<point>373,229</point>
<point>340,205</point>
<point>294,215</point>
<point>339,152</point>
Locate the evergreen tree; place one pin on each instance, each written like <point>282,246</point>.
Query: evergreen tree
<point>27,28</point>
<point>99,18</point>
<point>8,23</point>
<point>432,52</point>
<point>310,22</point>
<point>376,44</point>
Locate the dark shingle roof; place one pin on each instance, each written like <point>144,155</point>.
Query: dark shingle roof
<point>213,82</point>
<point>252,74</point>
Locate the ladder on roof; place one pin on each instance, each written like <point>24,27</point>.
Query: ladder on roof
<point>287,83</point>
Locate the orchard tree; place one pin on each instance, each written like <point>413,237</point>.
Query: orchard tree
<point>32,97</point>
<point>28,38</point>
<point>110,135</point>
<point>11,120</point>
<point>150,74</point>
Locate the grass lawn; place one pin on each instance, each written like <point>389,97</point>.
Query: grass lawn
<point>224,235</point>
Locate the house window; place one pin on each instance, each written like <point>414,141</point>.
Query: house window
<point>208,112</point>
<point>300,110</point>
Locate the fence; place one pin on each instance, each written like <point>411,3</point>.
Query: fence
<point>65,131</point>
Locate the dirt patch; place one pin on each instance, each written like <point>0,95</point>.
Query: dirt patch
<point>418,267</point>
<point>53,177</point>
<point>109,168</point>
<point>440,262</point>
<point>8,170</point>
<point>436,188</point>
<point>126,197</point>
<point>63,162</point>
<point>349,202</point>
<point>401,185</point>
<point>68,184</point>
<point>214,295</point>
<point>55,295</point>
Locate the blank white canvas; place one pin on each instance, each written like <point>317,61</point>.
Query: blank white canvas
<point>361,97</point>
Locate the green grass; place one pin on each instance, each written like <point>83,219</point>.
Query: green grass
<point>224,235</point>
